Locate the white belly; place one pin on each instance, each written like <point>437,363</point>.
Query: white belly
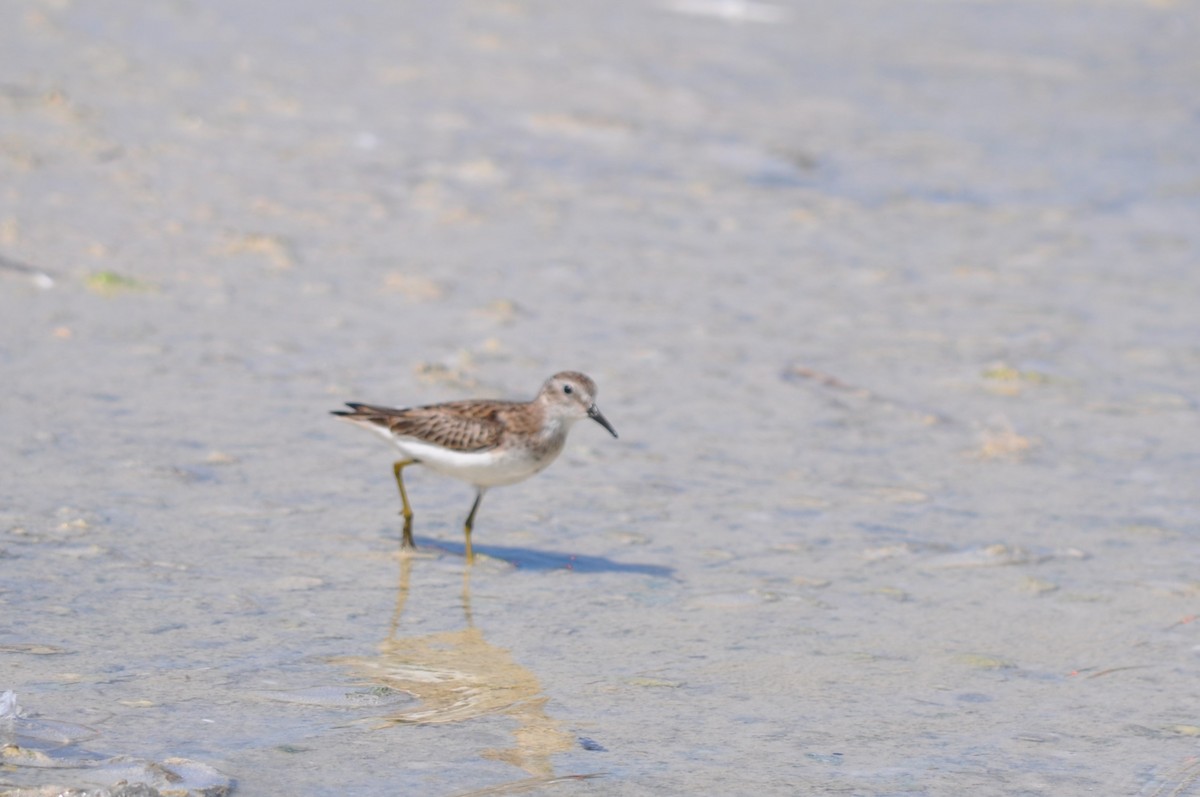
<point>493,468</point>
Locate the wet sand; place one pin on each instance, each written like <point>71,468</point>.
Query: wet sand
<point>894,305</point>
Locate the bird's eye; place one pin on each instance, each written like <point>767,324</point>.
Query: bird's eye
<point>568,389</point>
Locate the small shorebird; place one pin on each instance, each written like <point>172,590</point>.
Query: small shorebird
<point>484,442</point>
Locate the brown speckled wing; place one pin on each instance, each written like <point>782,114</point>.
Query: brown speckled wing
<point>457,425</point>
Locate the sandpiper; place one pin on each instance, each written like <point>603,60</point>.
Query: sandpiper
<point>483,442</point>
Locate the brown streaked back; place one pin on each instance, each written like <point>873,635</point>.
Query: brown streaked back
<point>473,425</point>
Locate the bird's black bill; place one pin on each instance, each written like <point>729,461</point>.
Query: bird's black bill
<point>596,416</point>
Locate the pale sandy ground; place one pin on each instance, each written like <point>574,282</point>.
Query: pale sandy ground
<point>894,304</point>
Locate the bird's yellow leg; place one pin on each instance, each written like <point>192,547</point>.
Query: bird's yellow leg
<point>406,541</point>
<point>470,523</point>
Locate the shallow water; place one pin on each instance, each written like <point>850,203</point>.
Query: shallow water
<point>893,304</point>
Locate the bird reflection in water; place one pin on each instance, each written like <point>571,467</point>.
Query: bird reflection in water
<point>459,675</point>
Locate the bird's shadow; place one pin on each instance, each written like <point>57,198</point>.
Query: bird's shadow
<point>533,559</point>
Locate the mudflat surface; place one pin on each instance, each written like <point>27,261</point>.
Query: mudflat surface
<point>894,304</point>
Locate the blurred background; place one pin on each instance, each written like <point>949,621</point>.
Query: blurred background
<point>894,304</point>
